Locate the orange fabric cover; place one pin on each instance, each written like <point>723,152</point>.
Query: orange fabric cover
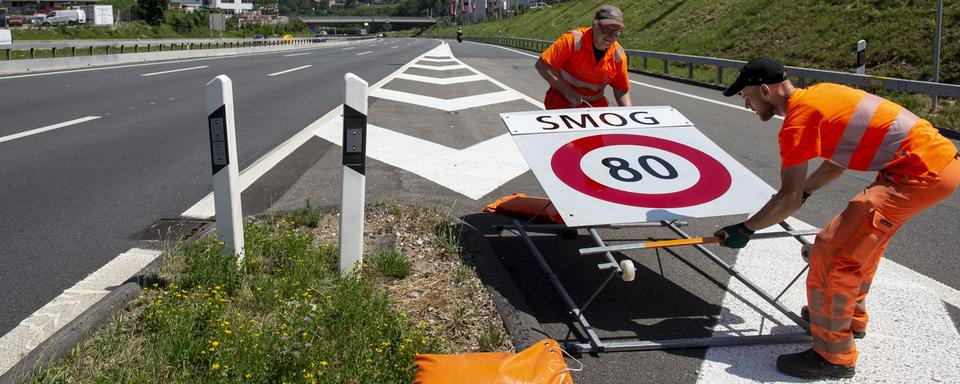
<point>541,363</point>
<point>523,206</point>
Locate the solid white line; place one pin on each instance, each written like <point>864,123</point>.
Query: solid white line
<point>174,70</point>
<point>47,128</point>
<point>298,54</point>
<point>71,303</point>
<point>364,53</point>
<point>290,70</point>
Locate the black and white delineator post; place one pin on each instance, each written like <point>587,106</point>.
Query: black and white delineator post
<point>861,57</point>
<point>352,199</point>
<point>223,156</point>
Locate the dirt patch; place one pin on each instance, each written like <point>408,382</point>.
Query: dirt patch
<point>441,290</point>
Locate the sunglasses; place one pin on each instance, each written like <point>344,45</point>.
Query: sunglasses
<point>611,30</point>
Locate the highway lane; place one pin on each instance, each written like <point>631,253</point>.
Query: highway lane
<point>72,197</point>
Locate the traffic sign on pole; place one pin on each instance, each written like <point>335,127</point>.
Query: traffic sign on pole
<point>223,157</point>
<point>352,198</point>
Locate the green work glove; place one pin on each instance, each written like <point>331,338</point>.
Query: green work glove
<point>734,236</point>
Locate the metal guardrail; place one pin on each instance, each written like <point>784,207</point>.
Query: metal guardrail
<point>803,74</point>
<point>69,48</point>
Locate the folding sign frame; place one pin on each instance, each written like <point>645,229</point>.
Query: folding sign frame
<point>581,156</point>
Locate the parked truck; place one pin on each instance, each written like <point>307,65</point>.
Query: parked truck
<point>98,15</point>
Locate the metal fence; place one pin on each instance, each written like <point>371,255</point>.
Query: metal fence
<point>643,61</point>
<point>71,48</point>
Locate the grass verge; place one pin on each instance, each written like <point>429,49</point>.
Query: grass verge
<point>286,316</point>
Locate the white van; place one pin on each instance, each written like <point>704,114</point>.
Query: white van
<point>65,17</point>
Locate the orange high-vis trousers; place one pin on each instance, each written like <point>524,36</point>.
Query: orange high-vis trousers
<point>847,252</point>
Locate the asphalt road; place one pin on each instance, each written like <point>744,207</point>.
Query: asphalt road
<point>76,194</point>
<point>73,197</point>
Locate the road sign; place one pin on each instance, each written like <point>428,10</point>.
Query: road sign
<point>631,164</point>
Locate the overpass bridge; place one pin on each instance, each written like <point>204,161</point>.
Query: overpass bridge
<point>416,21</point>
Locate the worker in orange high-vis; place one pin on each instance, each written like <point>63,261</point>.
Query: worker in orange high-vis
<point>582,62</point>
<point>851,129</point>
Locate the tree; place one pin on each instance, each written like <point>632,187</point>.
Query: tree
<point>152,10</point>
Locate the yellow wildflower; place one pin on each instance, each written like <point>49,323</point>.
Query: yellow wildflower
<point>215,366</point>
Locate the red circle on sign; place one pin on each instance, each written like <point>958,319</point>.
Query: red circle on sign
<point>714,181</point>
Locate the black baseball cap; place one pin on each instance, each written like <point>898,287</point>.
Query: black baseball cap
<point>757,71</point>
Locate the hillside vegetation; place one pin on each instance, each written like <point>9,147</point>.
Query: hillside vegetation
<point>810,33</point>
<point>819,34</point>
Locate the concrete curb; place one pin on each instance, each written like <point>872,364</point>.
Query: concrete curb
<point>76,331</point>
<point>513,308</point>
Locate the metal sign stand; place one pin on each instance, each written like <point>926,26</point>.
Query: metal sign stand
<point>596,344</point>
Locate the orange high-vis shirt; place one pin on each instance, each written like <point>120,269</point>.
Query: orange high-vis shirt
<point>860,131</point>
<point>572,56</point>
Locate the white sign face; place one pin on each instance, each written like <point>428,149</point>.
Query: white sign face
<point>567,120</point>
<point>632,164</point>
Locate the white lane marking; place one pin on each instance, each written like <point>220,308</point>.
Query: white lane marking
<point>290,70</point>
<point>469,171</point>
<point>910,338</point>
<point>439,80</point>
<point>437,60</point>
<point>298,54</point>
<point>395,46</point>
<point>440,68</point>
<point>47,128</point>
<point>71,303</point>
<point>348,48</point>
<point>174,70</point>
<point>364,53</point>
<point>448,105</point>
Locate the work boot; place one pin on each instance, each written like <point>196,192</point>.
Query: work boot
<point>805,314</point>
<point>810,365</point>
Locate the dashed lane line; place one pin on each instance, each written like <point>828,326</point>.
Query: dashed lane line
<point>364,53</point>
<point>174,70</point>
<point>290,70</point>
<point>298,54</point>
<point>47,128</point>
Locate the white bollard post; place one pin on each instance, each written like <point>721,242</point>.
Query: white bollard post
<point>861,57</point>
<point>352,197</point>
<point>223,156</point>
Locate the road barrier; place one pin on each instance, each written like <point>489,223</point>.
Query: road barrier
<point>640,61</point>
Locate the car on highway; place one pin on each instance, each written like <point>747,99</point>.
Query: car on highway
<point>320,37</point>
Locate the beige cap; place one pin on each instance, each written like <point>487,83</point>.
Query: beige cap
<point>609,14</point>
